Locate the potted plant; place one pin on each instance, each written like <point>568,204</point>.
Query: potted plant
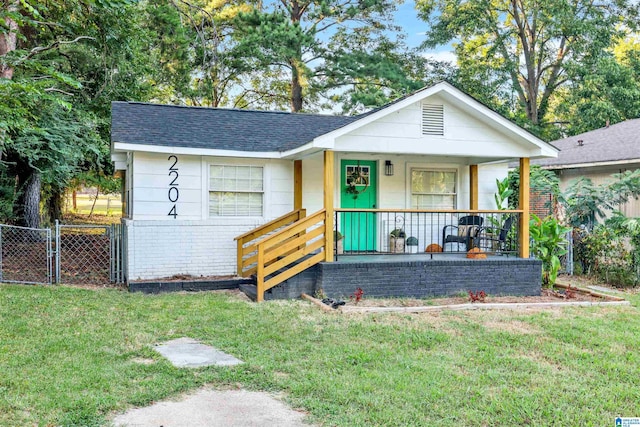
<point>396,241</point>
<point>337,237</point>
<point>412,243</point>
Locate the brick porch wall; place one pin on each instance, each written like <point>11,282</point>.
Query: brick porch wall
<point>417,279</point>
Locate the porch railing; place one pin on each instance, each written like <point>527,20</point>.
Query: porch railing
<point>247,243</point>
<point>290,251</point>
<point>408,231</point>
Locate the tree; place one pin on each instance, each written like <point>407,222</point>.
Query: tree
<point>586,202</point>
<point>524,50</point>
<point>67,62</point>
<point>31,92</point>
<point>603,93</point>
<point>541,181</point>
<point>202,29</point>
<point>321,45</point>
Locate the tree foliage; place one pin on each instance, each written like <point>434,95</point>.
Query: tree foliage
<point>604,92</point>
<point>516,54</point>
<point>540,181</point>
<point>70,59</point>
<point>325,47</point>
<point>586,202</point>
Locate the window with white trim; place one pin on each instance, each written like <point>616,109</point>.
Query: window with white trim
<point>433,189</point>
<point>236,190</point>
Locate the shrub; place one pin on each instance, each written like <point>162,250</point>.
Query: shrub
<point>548,243</point>
<point>602,254</point>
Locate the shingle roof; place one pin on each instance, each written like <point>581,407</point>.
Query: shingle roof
<point>217,128</point>
<point>617,142</point>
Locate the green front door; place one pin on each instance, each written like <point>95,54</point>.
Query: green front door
<point>358,190</point>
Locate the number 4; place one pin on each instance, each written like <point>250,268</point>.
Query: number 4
<point>173,212</point>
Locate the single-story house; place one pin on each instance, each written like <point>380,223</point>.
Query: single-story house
<point>597,155</point>
<point>275,195</point>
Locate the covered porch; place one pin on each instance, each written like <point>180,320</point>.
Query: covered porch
<point>413,178</point>
<point>392,252</point>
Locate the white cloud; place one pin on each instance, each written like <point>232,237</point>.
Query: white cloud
<point>443,55</point>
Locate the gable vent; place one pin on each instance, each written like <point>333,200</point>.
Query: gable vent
<point>432,119</point>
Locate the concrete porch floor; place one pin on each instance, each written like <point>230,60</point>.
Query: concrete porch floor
<point>419,257</point>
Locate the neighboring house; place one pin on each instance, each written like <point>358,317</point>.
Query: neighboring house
<point>597,155</point>
<point>198,178</point>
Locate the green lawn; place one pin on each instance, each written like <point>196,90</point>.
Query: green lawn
<point>107,204</point>
<point>73,356</point>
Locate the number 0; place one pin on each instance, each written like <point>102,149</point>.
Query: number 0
<point>174,194</point>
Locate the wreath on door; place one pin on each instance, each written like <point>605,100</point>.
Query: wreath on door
<point>357,178</point>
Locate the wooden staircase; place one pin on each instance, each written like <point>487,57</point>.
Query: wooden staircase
<point>282,248</point>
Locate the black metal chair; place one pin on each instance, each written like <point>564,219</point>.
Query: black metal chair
<point>496,238</point>
<point>467,229</point>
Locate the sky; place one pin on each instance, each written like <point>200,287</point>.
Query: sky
<point>407,18</point>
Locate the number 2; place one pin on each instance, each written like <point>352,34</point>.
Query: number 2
<point>175,161</point>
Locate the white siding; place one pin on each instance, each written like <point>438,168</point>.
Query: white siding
<point>152,183</point>
<point>400,132</point>
<point>395,191</point>
<point>193,243</point>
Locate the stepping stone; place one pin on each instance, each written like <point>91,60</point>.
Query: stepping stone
<point>189,353</point>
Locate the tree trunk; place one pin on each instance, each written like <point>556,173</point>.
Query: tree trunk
<point>296,10</point>
<point>29,200</point>
<point>54,205</point>
<point>296,88</point>
<point>8,38</point>
<point>94,201</point>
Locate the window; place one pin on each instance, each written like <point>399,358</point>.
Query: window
<point>236,190</point>
<point>433,189</point>
<point>357,175</point>
<point>432,119</point>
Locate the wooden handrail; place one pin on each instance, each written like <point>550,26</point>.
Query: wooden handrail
<point>288,217</point>
<point>244,262</point>
<point>287,248</point>
<point>293,229</point>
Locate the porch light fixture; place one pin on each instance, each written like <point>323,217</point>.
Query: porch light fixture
<point>388,168</point>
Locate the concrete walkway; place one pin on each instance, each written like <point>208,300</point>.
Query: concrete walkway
<point>210,408</point>
<point>233,408</point>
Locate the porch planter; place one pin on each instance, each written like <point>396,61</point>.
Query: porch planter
<point>396,241</point>
<point>396,245</point>
<point>412,243</point>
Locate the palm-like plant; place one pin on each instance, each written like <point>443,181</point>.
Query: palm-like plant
<point>548,243</point>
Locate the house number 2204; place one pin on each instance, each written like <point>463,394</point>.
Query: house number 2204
<point>173,193</point>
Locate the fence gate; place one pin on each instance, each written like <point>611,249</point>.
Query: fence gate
<point>25,255</point>
<point>88,254</point>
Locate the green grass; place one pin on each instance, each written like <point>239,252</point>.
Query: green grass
<point>107,204</point>
<point>72,356</point>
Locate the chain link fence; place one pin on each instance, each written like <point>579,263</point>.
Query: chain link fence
<point>566,261</point>
<point>26,255</point>
<point>73,254</point>
<point>83,254</point>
